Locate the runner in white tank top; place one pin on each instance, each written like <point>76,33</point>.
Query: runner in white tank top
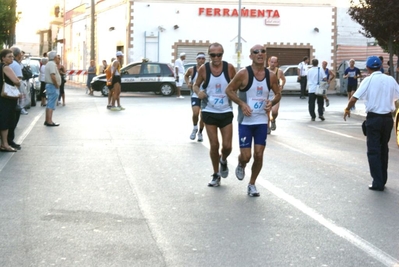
<point>253,84</point>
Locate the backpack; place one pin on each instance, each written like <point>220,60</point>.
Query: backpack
<point>108,75</point>
<point>26,72</point>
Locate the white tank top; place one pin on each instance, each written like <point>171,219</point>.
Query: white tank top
<point>217,100</point>
<point>256,97</point>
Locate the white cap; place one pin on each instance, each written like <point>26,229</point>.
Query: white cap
<point>182,54</point>
<point>119,53</point>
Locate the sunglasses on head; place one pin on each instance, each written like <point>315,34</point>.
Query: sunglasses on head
<point>257,51</point>
<point>216,55</point>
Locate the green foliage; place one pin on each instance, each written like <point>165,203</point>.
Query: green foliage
<point>7,22</point>
<point>378,19</point>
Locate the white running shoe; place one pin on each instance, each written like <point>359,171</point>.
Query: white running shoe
<point>252,191</point>
<point>115,109</point>
<point>240,172</point>
<point>215,180</point>
<point>24,112</point>
<point>223,168</point>
<point>200,138</point>
<point>193,133</point>
<point>180,97</point>
<point>121,108</point>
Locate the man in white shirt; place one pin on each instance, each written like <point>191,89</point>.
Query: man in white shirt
<point>315,76</point>
<point>302,75</point>
<point>179,74</point>
<point>380,92</point>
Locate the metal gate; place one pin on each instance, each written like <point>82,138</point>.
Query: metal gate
<point>288,56</point>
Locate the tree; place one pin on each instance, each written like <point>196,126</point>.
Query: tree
<point>7,22</point>
<point>378,19</point>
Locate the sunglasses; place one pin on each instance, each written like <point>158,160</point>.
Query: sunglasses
<point>257,51</point>
<point>216,55</point>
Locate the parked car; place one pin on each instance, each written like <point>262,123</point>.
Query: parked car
<point>291,76</point>
<point>341,83</point>
<point>184,87</point>
<point>34,64</point>
<point>396,125</point>
<point>141,77</point>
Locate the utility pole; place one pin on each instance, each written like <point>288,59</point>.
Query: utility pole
<point>239,37</point>
<point>92,35</point>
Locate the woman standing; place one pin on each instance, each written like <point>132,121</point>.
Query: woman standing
<point>42,81</point>
<point>91,72</point>
<point>61,70</point>
<point>7,105</point>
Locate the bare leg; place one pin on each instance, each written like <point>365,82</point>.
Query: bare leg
<point>258,163</point>
<point>227,136</point>
<point>211,130</point>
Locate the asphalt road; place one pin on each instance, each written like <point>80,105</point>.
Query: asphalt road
<point>129,188</point>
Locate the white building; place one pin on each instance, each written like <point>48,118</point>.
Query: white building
<point>160,30</point>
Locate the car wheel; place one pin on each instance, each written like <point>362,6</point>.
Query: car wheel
<point>167,89</point>
<point>104,90</point>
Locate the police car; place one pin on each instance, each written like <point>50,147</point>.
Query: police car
<point>141,76</point>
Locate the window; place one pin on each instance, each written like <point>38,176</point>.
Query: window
<point>134,70</point>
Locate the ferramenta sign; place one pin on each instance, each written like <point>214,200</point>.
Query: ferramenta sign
<point>272,16</point>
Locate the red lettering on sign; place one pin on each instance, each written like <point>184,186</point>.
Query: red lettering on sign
<point>200,11</point>
<point>226,12</point>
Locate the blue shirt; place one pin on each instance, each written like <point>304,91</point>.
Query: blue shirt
<point>352,73</point>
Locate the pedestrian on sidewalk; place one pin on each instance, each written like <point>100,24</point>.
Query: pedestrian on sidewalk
<point>379,92</point>
<point>91,73</point>
<point>53,82</point>
<point>329,77</point>
<point>315,77</point>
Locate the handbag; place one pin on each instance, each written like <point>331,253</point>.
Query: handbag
<point>8,90</point>
<point>320,88</point>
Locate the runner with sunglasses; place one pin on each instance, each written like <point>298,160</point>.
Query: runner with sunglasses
<point>217,112</point>
<point>254,85</point>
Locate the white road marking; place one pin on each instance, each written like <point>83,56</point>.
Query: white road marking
<point>344,233</point>
<point>337,133</point>
<point>6,158</point>
<point>359,242</point>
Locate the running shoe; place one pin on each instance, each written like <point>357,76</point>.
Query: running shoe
<point>224,169</point>
<point>215,180</point>
<point>193,133</point>
<point>115,109</point>
<point>200,138</point>
<point>273,127</point>
<point>240,172</point>
<point>24,112</point>
<point>252,191</point>
<point>327,102</point>
<point>180,97</point>
<point>121,108</point>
